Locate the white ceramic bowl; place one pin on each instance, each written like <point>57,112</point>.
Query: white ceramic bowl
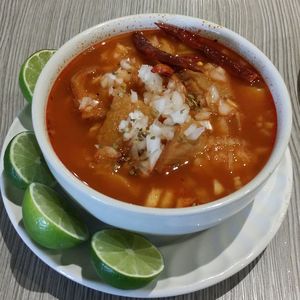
<point>155,220</point>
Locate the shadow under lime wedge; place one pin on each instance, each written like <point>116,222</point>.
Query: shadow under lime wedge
<point>31,70</point>
<point>47,222</point>
<point>125,260</point>
<point>24,162</point>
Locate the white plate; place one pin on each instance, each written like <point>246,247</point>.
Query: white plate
<point>192,262</point>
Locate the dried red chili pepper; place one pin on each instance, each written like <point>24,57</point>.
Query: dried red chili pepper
<point>197,42</point>
<point>193,63</point>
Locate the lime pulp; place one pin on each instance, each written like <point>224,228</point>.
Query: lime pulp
<point>124,259</point>
<point>47,222</point>
<point>31,70</point>
<point>24,162</point>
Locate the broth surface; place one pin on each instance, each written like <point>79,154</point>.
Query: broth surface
<point>233,154</point>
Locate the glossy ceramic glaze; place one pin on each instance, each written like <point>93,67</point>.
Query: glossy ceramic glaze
<point>155,220</point>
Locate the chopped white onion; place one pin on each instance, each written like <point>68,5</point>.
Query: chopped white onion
<point>153,143</point>
<point>87,102</point>
<point>218,74</point>
<point>153,158</point>
<point>193,132</point>
<point>224,108</point>
<point>218,187</point>
<point>123,124</point>
<point>160,105</point>
<point>180,116</point>
<point>155,128</point>
<point>214,94</point>
<point>206,124</point>
<point>125,64</point>
<point>168,132</point>
<point>190,129</point>
<point>133,96</point>
<point>153,82</point>
<point>177,100</point>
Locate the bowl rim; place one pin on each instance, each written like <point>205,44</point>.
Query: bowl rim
<point>39,118</point>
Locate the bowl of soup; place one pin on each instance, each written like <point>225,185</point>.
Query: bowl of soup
<point>161,124</point>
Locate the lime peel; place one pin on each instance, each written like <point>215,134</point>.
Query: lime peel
<point>31,70</point>
<point>24,162</point>
<point>46,221</point>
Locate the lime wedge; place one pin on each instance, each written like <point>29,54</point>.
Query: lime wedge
<point>31,70</point>
<point>24,162</point>
<point>125,260</point>
<point>47,222</point>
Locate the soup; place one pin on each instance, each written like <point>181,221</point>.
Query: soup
<point>161,118</point>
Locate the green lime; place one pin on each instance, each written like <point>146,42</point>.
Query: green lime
<point>31,70</point>
<point>47,222</point>
<point>124,259</point>
<point>24,162</point>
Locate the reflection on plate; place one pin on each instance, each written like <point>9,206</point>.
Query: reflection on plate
<point>192,262</point>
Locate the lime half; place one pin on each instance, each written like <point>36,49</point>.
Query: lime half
<point>31,70</point>
<point>24,162</point>
<point>125,260</point>
<point>47,222</point>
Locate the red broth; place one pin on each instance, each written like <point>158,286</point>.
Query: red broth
<point>227,156</point>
